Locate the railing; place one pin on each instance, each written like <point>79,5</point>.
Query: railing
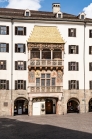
<point>46,63</point>
<point>46,89</point>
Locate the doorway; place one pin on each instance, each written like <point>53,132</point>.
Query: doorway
<point>90,105</point>
<point>73,106</point>
<point>49,106</point>
<point>20,106</point>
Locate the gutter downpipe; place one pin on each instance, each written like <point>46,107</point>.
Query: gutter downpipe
<point>84,71</point>
<point>11,65</point>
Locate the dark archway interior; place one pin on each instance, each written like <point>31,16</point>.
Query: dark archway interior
<point>90,105</point>
<point>73,106</point>
<point>20,106</point>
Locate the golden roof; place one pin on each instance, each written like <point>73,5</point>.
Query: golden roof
<point>45,34</point>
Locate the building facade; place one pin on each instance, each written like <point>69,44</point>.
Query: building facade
<point>45,62</point>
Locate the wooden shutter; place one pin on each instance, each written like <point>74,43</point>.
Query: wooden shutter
<point>89,33</point>
<point>4,64</point>
<point>7,30</point>
<point>69,32</point>
<point>90,85</point>
<point>77,84</point>
<point>90,49</point>
<point>16,85</point>
<point>16,65</point>
<point>69,49</point>
<point>69,66</point>
<point>77,49</point>
<point>89,66</point>
<point>16,47</point>
<point>77,66</point>
<point>24,85</point>
<point>74,32</point>
<point>69,85</point>
<point>24,30</point>
<point>24,65</point>
<point>7,47</point>
<point>24,48</point>
<point>16,31</point>
<point>7,84</point>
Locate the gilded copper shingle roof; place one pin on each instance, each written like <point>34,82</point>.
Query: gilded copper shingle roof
<point>45,34</point>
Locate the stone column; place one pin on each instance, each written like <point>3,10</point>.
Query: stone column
<point>30,107</point>
<point>62,54</point>
<point>51,54</point>
<point>59,107</point>
<point>40,54</point>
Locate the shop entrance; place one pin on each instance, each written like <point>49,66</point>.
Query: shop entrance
<point>20,106</point>
<point>90,105</point>
<point>49,106</point>
<point>73,106</point>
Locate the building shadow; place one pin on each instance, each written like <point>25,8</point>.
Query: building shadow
<point>14,129</point>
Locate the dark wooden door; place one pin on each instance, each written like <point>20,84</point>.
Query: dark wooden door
<point>49,107</point>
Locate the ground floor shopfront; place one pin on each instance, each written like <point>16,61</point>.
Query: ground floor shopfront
<point>41,104</point>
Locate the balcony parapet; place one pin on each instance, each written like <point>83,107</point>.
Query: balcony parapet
<point>45,89</point>
<point>45,63</point>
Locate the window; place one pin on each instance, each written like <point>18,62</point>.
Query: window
<point>73,49</point>
<point>4,85</point>
<point>35,53</point>
<point>46,54</point>
<point>90,33</point>
<point>4,30</point>
<point>90,66</point>
<point>73,84</point>
<point>20,65</point>
<point>90,85</point>
<point>73,66</point>
<point>20,48</point>
<point>2,65</point>
<point>20,30</point>
<point>45,80</point>
<point>20,84</point>
<point>90,50</point>
<point>59,15</point>
<point>4,47</point>
<point>57,53</point>
<point>82,16</point>
<point>27,13</point>
<point>71,32</point>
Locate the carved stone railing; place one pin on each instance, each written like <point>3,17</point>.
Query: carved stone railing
<point>45,63</point>
<point>46,89</point>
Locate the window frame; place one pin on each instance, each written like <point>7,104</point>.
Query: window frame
<point>17,64</point>
<point>73,66</point>
<point>71,32</point>
<point>16,48</point>
<point>22,85</point>
<point>6,30</point>
<point>73,86</point>
<point>6,47</point>
<point>20,33</point>
<point>76,49</point>
<point>4,64</point>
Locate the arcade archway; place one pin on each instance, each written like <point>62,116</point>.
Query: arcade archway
<point>20,106</point>
<point>73,105</point>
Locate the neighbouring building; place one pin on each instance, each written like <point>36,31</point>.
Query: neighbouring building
<point>45,62</point>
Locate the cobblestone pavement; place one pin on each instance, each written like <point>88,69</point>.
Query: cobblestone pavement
<point>69,126</point>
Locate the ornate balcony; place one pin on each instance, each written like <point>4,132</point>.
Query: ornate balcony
<point>49,89</point>
<point>45,63</point>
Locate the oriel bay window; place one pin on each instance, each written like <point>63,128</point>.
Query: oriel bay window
<point>35,53</point>
<point>57,54</point>
<point>4,84</point>
<point>45,80</point>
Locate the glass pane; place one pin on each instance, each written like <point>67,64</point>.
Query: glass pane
<point>3,30</point>
<point>47,75</point>
<point>20,48</point>
<point>20,28</point>
<point>53,81</point>
<point>37,81</point>
<point>42,82</point>
<point>42,75</point>
<point>20,67</point>
<point>48,82</point>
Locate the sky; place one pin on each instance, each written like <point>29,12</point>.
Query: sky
<point>68,6</point>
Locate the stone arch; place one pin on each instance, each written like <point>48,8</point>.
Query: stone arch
<point>73,105</point>
<point>20,106</point>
